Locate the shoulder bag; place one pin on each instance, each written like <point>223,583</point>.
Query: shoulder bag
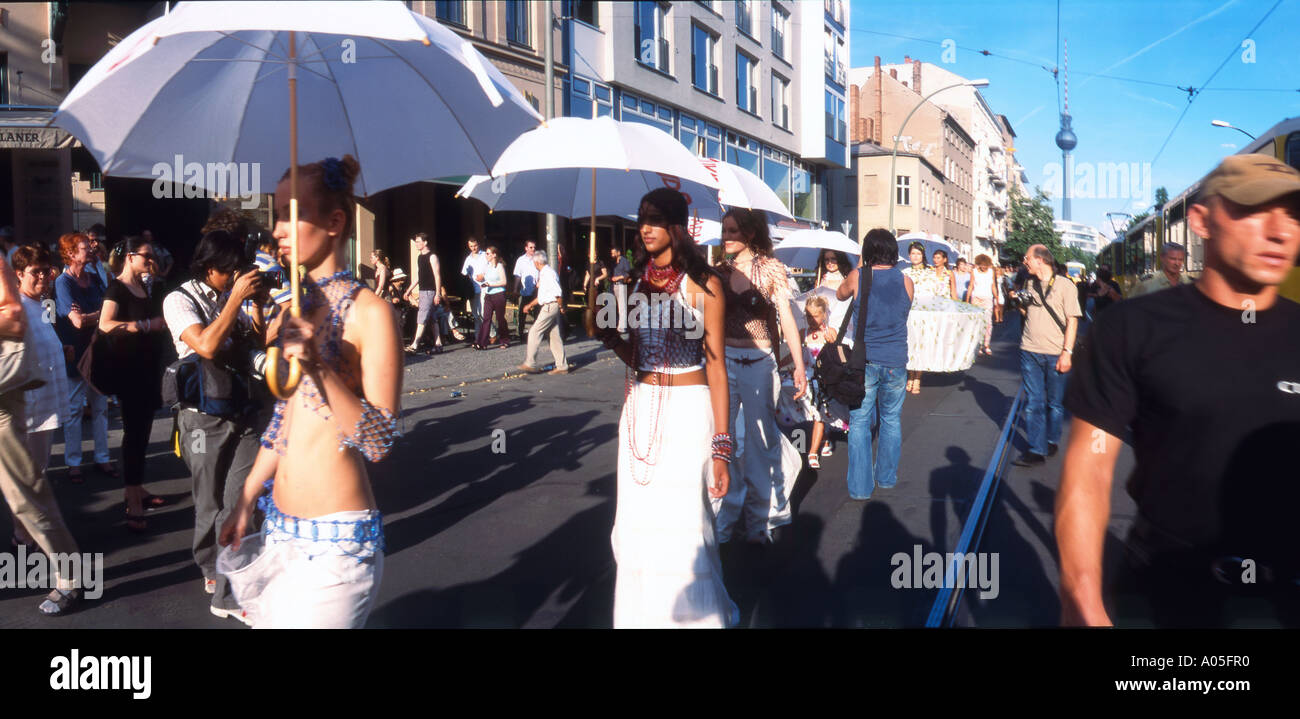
<point>840,371</point>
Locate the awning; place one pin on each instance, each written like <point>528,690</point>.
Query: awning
<point>27,130</point>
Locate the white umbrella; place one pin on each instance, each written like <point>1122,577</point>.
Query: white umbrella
<point>205,89</point>
<point>549,169</point>
<point>803,248</point>
<point>406,96</point>
<point>738,187</point>
<point>931,243</point>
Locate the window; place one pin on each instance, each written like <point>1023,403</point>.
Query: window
<point>710,4</point>
<point>580,100</point>
<point>903,191</point>
<point>746,82</point>
<point>801,185</point>
<point>834,117</point>
<point>652,34</point>
<point>4,78</point>
<point>517,22</point>
<point>745,16</point>
<point>780,28</point>
<point>780,101</point>
<point>835,10</point>
<point>776,173</point>
<point>704,64</point>
<point>646,112</point>
<point>702,138</point>
<point>452,11</point>
<point>742,151</point>
<point>850,191</point>
<point>835,57</point>
<point>585,10</point>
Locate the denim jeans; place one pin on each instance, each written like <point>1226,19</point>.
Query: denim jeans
<point>885,387</point>
<point>1044,392</point>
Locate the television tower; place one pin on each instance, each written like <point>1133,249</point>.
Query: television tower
<point>1066,140</point>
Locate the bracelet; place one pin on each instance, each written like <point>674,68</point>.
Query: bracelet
<point>722,446</point>
<point>374,434</point>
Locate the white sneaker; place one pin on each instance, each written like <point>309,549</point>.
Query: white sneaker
<point>210,586</point>
<point>239,614</point>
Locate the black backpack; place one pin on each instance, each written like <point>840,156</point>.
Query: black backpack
<point>219,387</point>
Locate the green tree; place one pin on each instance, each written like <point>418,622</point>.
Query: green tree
<point>1162,198</point>
<point>1031,224</point>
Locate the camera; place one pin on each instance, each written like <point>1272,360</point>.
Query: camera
<point>266,265</point>
<point>1022,300</point>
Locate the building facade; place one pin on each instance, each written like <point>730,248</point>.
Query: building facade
<point>1080,236</point>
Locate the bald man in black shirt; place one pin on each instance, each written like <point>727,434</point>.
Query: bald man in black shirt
<point>1207,378</point>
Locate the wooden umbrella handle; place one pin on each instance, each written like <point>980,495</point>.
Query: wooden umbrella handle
<point>286,390</point>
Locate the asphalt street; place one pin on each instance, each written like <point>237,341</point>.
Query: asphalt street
<point>499,502</point>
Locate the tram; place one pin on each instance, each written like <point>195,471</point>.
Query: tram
<point>1134,255</point>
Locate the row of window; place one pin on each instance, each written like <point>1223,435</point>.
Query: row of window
<point>747,22</point>
<point>518,25</point>
<point>932,200</point>
<point>787,177</point>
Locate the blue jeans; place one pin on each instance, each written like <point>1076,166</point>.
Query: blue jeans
<point>1045,392</point>
<point>885,387</point>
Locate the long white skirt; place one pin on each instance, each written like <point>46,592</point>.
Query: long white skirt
<point>669,574</point>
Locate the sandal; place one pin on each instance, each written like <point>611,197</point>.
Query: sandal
<point>814,461</point>
<point>59,602</point>
<point>828,449</point>
<point>136,523</point>
<point>75,476</point>
<point>153,501</point>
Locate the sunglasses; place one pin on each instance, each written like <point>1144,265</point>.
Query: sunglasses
<point>653,219</point>
<point>147,255</point>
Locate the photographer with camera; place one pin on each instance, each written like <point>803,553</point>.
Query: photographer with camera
<point>219,409</point>
<point>1050,306</point>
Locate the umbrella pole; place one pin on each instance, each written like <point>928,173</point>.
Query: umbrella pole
<point>273,353</point>
<point>589,318</point>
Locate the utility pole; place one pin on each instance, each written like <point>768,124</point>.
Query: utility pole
<point>552,233</point>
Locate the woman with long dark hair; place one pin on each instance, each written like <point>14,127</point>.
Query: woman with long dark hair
<point>835,265</point>
<point>132,322</point>
<point>322,542</point>
<point>673,439</point>
<point>758,302</point>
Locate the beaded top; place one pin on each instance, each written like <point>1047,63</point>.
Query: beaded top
<point>667,332</point>
<point>376,429</point>
<point>749,312</point>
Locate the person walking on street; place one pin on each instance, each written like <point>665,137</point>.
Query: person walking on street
<point>322,543</point>
<point>884,335</point>
<point>620,276</point>
<point>1046,353</point>
<point>383,274</point>
<point>426,287</point>
<point>525,280</point>
<point>1205,379</point>
<point>982,292</point>
<point>28,420</point>
<point>493,281</point>
<point>548,319</point>
<point>78,297</point>
<point>473,267</point>
<point>204,318</point>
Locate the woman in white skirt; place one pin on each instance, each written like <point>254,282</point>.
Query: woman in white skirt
<point>322,541</point>
<point>674,447</point>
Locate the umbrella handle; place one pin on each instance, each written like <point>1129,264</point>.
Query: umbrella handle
<point>286,390</point>
<point>589,315</point>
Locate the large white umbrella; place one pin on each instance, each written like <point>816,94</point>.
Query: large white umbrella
<point>211,92</point>
<point>738,187</point>
<point>803,248</point>
<point>549,169</point>
<point>931,243</point>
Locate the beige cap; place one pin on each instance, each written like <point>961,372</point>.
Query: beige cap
<point>1251,180</point>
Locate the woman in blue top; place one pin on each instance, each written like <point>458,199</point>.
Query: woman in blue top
<point>885,335</point>
<point>78,296</point>
<point>494,301</point>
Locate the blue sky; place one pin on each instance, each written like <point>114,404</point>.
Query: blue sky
<point>1174,42</point>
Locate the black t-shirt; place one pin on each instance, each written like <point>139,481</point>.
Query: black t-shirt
<point>1212,394</point>
<point>425,269</point>
<point>137,357</point>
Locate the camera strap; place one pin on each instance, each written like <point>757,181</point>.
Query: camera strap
<point>1038,287</point>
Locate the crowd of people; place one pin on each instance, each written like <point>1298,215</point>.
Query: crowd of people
<point>281,487</point>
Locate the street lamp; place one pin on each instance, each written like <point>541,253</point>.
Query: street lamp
<point>893,162</point>
<point>1221,123</point>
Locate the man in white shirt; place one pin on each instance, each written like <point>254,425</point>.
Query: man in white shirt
<point>473,268</point>
<point>548,319</point>
<point>525,283</point>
